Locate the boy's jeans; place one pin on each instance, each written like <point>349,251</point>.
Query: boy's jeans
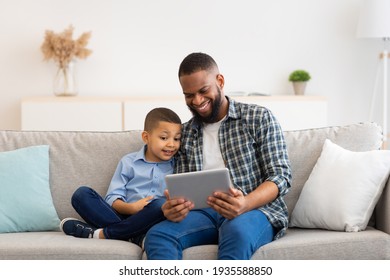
<point>99,214</point>
<point>237,238</point>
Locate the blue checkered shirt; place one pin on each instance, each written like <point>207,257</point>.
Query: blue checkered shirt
<point>253,149</point>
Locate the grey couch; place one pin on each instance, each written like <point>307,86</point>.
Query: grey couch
<point>89,158</point>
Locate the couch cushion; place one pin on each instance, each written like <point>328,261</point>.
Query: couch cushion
<point>342,189</point>
<point>76,158</point>
<point>305,146</point>
<point>312,244</point>
<point>58,246</point>
<point>25,200</point>
<point>318,244</point>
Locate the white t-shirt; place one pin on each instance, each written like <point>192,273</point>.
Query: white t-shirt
<point>212,156</point>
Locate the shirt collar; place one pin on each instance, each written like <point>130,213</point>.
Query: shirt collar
<point>233,112</point>
<point>141,154</point>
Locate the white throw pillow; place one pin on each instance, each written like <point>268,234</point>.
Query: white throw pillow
<point>342,190</point>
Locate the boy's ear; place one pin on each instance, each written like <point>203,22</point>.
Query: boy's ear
<point>145,136</point>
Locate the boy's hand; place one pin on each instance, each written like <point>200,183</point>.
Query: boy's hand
<point>176,210</point>
<point>140,204</point>
<point>131,208</point>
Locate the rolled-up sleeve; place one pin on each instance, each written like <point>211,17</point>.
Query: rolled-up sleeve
<point>273,153</point>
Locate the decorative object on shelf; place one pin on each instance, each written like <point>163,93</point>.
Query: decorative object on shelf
<point>64,50</point>
<point>374,23</point>
<point>65,80</point>
<point>299,79</point>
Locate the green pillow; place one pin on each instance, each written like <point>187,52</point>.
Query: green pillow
<point>25,198</point>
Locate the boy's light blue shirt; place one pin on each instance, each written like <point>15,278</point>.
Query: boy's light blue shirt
<point>136,178</point>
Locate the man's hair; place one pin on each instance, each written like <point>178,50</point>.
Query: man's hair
<point>160,115</point>
<point>195,62</point>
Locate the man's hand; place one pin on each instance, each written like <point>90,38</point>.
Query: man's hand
<point>176,210</point>
<point>229,205</point>
<point>234,203</point>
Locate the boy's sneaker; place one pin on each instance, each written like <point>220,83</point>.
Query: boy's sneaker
<point>76,228</point>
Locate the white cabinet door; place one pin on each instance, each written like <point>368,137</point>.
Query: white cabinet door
<point>293,112</point>
<point>72,114</point>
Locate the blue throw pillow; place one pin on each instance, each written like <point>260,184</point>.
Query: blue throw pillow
<point>25,199</point>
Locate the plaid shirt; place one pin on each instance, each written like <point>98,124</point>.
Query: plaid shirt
<point>253,148</point>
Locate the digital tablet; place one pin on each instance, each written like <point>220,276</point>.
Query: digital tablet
<point>197,186</point>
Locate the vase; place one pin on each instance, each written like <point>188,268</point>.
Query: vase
<point>65,83</point>
<point>299,88</point>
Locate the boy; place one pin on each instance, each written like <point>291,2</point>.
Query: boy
<point>136,193</point>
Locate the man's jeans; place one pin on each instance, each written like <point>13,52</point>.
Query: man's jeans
<point>238,238</point>
<point>99,214</point>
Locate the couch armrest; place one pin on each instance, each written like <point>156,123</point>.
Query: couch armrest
<point>382,211</point>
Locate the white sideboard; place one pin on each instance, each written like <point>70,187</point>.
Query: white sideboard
<point>124,113</point>
<point>72,113</point>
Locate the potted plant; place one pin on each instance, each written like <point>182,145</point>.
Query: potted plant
<point>299,79</point>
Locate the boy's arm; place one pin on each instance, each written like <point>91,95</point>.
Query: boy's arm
<point>117,187</point>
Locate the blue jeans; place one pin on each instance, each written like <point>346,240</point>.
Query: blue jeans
<point>99,214</point>
<point>237,238</point>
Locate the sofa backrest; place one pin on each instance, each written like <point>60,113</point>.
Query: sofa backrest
<point>305,146</point>
<point>90,158</point>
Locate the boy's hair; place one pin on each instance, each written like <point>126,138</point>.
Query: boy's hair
<point>160,115</point>
<point>195,62</point>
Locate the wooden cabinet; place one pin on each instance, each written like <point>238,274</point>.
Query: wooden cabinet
<point>126,113</point>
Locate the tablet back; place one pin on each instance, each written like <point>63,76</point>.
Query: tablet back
<point>197,186</point>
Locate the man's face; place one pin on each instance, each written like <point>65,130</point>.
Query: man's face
<point>203,95</point>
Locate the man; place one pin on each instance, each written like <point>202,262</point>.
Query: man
<point>248,140</point>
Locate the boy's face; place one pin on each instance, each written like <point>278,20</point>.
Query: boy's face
<point>163,141</point>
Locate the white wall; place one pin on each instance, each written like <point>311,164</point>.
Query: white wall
<point>138,45</point>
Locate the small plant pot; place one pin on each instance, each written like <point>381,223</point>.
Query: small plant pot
<point>299,88</point>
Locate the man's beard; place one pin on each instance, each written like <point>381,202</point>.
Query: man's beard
<point>215,108</point>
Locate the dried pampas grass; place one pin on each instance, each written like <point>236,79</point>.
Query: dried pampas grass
<point>62,48</point>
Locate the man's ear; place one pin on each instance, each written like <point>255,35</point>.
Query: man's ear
<point>220,81</point>
<point>145,136</point>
